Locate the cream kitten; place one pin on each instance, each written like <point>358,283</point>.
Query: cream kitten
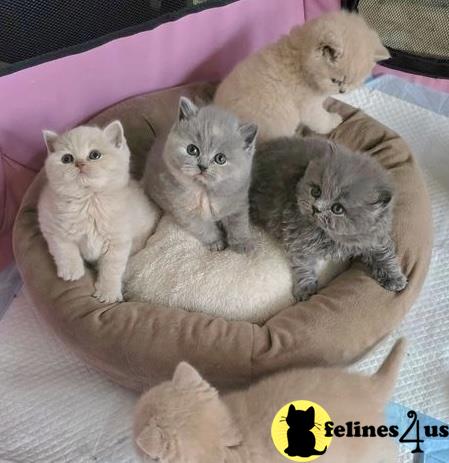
<point>90,208</point>
<point>286,83</point>
<point>185,421</point>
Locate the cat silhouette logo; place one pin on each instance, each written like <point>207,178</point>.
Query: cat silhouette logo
<point>298,431</point>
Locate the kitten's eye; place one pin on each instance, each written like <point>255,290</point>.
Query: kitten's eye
<point>193,150</point>
<point>337,209</point>
<point>220,158</point>
<point>94,155</point>
<point>67,159</point>
<point>315,191</point>
<point>336,81</point>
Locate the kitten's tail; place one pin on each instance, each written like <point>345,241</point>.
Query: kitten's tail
<point>319,452</point>
<point>386,376</point>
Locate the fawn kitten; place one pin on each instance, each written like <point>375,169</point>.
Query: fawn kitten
<point>203,175</point>
<point>286,83</point>
<point>90,209</point>
<point>185,420</point>
<point>323,201</point>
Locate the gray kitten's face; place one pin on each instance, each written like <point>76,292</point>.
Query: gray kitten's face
<point>210,146</point>
<point>345,194</point>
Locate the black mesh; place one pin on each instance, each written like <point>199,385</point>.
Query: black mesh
<point>30,28</point>
<point>415,31</point>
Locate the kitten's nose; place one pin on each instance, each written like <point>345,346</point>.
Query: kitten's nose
<point>202,168</point>
<point>315,210</point>
<point>80,164</point>
<point>342,90</point>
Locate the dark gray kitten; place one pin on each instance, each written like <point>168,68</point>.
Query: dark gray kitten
<point>323,201</point>
<point>203,175</point>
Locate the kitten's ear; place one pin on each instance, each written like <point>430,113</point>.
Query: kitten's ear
<point>115,134</point>
<point>331,48</point>
<point>187,109</point>
<point>185,376</point>
<point>291,409</point>
<point>50,137</point>
<point>151,441</point>
<point>384,197</point>
<point>311,412</point>
<point>230,433</point>
<point>381,53</point>
<point>249,134</point>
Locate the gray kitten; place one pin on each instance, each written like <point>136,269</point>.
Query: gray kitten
<point>203,175</point>
<point>323,201</point>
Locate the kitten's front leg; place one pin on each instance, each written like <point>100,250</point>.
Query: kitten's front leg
<point>238,232</point>
<point>207,232</point>
<point>305,281</point>
<point>68,260</point>
<point>111,267</point>
<point>320,120</point>
<point>384,267</point>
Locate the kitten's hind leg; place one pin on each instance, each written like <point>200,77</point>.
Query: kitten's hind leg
<point>384,267</point>
<point>238,232</point>
<point>305,282</point>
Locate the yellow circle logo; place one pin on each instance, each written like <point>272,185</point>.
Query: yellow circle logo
<point>298,431</point>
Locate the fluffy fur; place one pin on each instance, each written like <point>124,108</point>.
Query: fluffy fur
<point>323,201</point>
<point>203,175</point>
<point>90,209</point>
<point>185,420</point>
<point>286,83</point>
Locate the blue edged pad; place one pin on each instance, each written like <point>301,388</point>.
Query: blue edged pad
<point>436,450</point>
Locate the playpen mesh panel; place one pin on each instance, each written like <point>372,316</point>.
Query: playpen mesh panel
<point>30,28</point>
<point>415,26</point>
<point>415,31</point>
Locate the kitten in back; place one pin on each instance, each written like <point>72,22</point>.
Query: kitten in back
<point>90,209</point>
<point>322,201</point>
<point>185,420</point>
<point>286,83</point>
<point>202,176</point>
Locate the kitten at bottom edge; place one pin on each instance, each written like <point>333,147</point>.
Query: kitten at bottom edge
<point>185,420</point>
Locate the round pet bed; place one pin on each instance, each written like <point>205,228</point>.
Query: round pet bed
<point>138,344</point>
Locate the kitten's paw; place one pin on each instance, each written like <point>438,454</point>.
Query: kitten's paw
<point>108,293</point>
<point>72,271</point>
<point>394,283</point>
<point>303,292</point>
<point>243,247</point>
<point>334,121</point>
<point>216,246</point>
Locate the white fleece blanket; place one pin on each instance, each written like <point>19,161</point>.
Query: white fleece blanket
<point>176,270</point>
<point>55,409</point>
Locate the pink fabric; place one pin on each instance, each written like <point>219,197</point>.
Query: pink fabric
<point>14,179</point>
<point>313,8</point>
<point>62,93</point>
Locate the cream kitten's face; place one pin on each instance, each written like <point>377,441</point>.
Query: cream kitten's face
<point>87,158</point>
<point>183,421</point>
<point>340,51</point>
